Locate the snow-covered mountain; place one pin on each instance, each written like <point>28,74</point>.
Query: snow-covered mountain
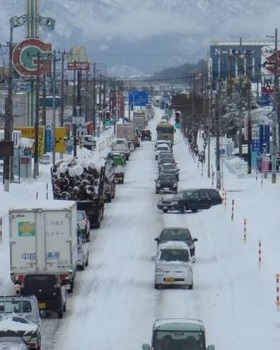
<point>147,35</point>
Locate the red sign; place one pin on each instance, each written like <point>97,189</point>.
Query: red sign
<point>26,55</point>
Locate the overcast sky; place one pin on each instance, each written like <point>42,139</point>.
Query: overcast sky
<point>161,32</point>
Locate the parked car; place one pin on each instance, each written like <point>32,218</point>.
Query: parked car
<point>191,199</point>
<point>83,222</point>
<point>162,148</point>
<point>17,329</point>
<point>83,249</point>
<point>170,168</point>
<point>49,290</point>
<point>173,265</point>
<point>181,234</point>
<point>166,183</point>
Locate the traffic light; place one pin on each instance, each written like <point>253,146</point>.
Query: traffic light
<point>177,119</point>
<point>107,115</point>
<point>107,118</point>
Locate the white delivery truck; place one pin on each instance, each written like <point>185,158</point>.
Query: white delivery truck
<point>120,145</point>
<point>43,239</point>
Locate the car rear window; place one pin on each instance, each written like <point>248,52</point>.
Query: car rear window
<point>175,235</point>
<point>174,255</point>
<point>80,215</point>
<point>38,280</point>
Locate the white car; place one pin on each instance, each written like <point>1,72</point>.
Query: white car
<point>83,250</point>
<point>162,148</point>
<point>83,222</point>
<point>160,142</point>
<point>173,265</point>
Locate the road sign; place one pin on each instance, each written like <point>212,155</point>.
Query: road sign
<point>25,57</point>
<point>138,98</point>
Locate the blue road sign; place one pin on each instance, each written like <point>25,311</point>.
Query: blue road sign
<point>138,98</point>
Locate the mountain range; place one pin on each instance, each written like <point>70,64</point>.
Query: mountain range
<point>144,37</point>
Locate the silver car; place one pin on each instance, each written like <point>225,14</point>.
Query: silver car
<point>83,222</point>
<point>173,265</point>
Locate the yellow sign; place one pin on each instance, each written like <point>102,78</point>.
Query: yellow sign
<point>60,134</point>
<point>29,132</point>
<point>78,59</point>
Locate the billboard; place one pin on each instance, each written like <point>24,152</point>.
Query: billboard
<point>138,98</point>
<point>29,132</point>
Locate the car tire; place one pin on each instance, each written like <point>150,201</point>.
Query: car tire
<point>82,267</point>
<point>165,210</point>
<point>60,313</point>
<point>87,263</point>
<point>64,307</point>
<point>191,286</point>
<point>183,208</point>
<point>194,210</point>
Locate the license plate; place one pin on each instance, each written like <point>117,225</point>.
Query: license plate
<point>170,280</point>
<point>42,305</point>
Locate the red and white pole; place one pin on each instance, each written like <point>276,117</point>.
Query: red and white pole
<point>260,253</point>
<point>245,231</point>
<point>232,209</point>
<point>277,291</point>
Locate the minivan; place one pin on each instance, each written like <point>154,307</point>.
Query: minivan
<point>184,333</point>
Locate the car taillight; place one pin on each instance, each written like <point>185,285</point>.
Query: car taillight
<point>64,277</point>
<point>86,224</point>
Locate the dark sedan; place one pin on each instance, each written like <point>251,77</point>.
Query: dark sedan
<point>166,183</point>
<point>181,234</point>
<point>191,199</point>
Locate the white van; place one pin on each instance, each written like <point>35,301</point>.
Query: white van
<point>182,334</point>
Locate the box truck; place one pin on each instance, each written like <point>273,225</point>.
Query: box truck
<point>43,239</point>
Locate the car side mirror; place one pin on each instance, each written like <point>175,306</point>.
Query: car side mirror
<point>157,239</point>
<point>195,239</point>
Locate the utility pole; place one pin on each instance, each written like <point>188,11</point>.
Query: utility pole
<point>53,107</point>
<point>44,103</point>
<point>94,98</point>
<point>240,77</point>
<point>36,124</point>
<point>74,114</point>
<point>62,97</point>
<point>276,119</point>
<point>9,114</point>
<point>217,117</point>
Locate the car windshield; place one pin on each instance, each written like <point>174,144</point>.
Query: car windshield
<point>174,255</point>
<point>9,306</point>
<point>184,340</point>
<point>172,235</point>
